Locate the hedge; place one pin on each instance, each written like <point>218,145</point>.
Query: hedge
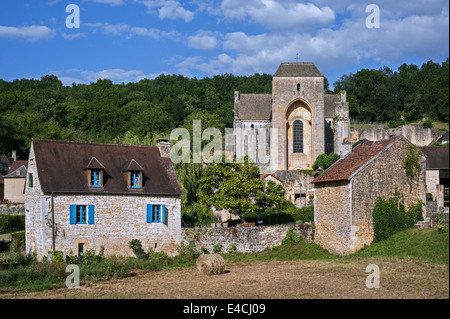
<point>12,222</point>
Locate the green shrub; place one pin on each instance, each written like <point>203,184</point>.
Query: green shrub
<point>232,248</point>
<point>187,252</point>
<point>291,238</point>
<point>217,248</point>
<point>393,123</point>
<point>136,247</point>
<point>428,123</point>
<point>89,256</point>
<point>12,222</point>
<point>391,216</point>
<point>17,242</point>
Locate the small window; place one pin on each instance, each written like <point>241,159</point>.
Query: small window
<point>156,213</point>
<point>136,180</point>
<point>298,87</point>
<point>96,178</point>
<point>81,214</point>
<point>30,179</point>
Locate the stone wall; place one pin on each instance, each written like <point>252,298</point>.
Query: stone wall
<point>415,133</point>
<point>246,239</point>
<point>15,209</point>
<point>332,216</point>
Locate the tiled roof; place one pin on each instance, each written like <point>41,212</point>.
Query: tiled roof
<point>298,70</point>
<point>361,154</point>
<point>255,106</point>
<point>61,167</point>
<point>16,164</point>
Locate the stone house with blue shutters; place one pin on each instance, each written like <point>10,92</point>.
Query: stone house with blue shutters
<point>88,196</point>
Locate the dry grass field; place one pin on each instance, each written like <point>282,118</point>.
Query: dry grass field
<point>400,278</point>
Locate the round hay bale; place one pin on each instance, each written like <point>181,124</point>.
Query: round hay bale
<point>211,264</point>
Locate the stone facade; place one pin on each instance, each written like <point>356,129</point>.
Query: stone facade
<point>297,97</point>
<point>415,133</point>
<point>245,239</point>
<point>118,218</point>
<point>343,208</point>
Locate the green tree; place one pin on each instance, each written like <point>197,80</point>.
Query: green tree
<point>324,161</point>
<point>238,188</point>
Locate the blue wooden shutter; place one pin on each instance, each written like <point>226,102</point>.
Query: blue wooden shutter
<point>91,214</point>
<point>149,213</point>
<point>73,214</point>
<point>163,213</point>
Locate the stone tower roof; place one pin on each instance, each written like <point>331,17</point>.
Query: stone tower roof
<point>254,106</point>
<point>301,70</point>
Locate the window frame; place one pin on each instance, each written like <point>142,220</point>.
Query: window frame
<point>298,137</point>
<point>80,213</point>
<point>133,175</point>
<point>95,179</point>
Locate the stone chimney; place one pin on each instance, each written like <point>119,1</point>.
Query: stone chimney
<point>14,155</point>
<point>164,147</point>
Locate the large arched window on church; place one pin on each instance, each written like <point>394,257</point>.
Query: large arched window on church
<point>298,136</point>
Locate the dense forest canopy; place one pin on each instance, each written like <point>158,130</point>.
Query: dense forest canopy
<point>106,112</point>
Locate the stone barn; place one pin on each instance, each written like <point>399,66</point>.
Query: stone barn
<point>345,194</point>
<point>83,196</point>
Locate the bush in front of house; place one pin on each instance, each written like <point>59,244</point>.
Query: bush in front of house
<point>12,222</point>
<point>288,213</point>
<point>391,216</point>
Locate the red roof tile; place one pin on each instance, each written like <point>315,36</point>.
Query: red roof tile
<point>345,167</point>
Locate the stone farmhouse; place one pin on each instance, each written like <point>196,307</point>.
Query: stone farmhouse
<point>14,182</point>
<point>82,196</point>
<point>345,194</point>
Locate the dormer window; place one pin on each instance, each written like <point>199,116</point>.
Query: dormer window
<point>136,178</point>
<point>95,173</point>
<point>133,173</point>
<point>96,178</point>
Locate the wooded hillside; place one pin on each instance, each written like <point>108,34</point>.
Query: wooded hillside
<point>105,112</point>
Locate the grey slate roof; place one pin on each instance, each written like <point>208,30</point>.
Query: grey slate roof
<point>303,69</point>
<point>20,172</point>
<point>437,157</point>
<point>255,107</point>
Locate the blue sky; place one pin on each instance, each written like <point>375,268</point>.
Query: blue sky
<point>128,40</point>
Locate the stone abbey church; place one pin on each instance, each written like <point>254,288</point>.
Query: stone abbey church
<point>303,121</point>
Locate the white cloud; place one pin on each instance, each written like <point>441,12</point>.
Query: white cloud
<point>169,9</point>
<point>30,33</point>
<point>204,40</point>
<point>424,36</point>
<point>111,2</point>
<point>132,31</point>
<point>278,15</point>
<point>72,36</point>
